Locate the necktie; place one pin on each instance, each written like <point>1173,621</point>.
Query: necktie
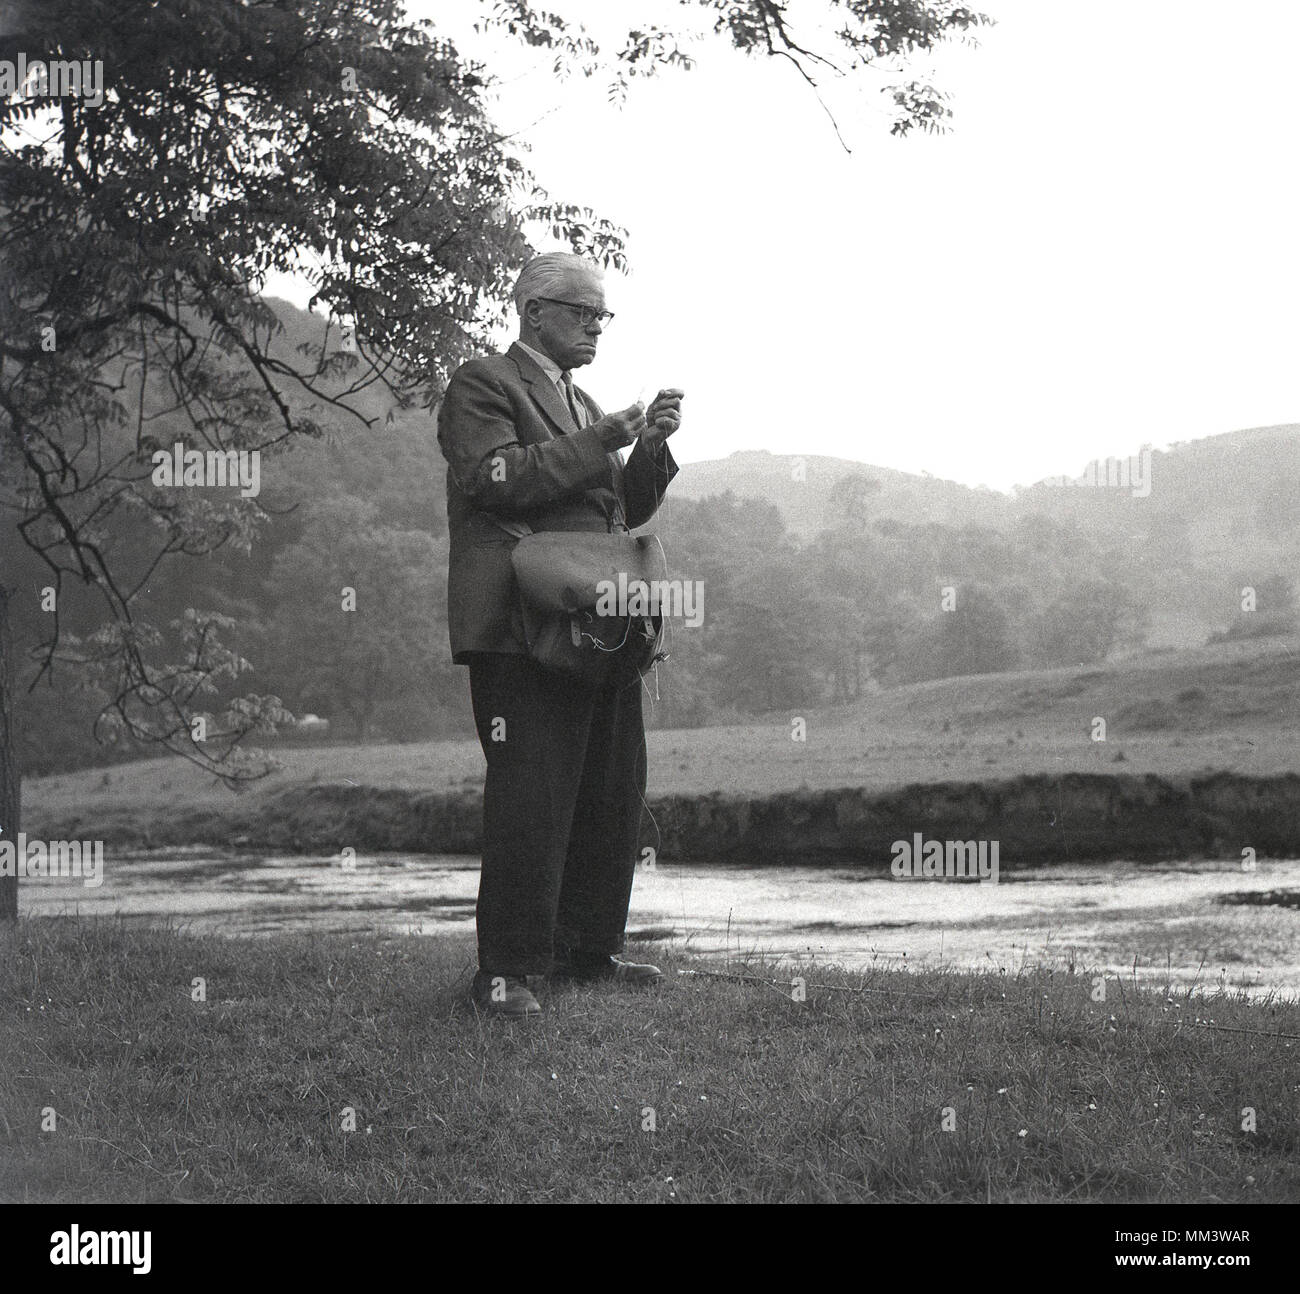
<point>571,396</point>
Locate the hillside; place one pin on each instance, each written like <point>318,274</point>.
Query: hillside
<point>1233,707</point>
<point>1225,489</point>
<point>800,486</point>
<point>1212,516</point>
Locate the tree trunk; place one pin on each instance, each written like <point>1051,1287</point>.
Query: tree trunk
<point>10,783</point>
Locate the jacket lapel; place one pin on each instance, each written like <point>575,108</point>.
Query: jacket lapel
<point>543,391</point>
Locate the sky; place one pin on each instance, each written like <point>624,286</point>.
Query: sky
<point>1101,254</point>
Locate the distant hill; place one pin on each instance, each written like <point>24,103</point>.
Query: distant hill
<point>1229,499</point>
<point>800,486</point>
<point>1227,487</point>
<point>1220,508</point>
<point>1220,513</point>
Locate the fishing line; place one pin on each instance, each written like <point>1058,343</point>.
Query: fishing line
<point>666,629</point>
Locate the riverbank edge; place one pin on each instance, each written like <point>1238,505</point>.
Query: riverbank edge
<point>1036,819</point>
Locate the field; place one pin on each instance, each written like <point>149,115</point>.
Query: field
<point>1232,707</point>
<point>888,1086</point>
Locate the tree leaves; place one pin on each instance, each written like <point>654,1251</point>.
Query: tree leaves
<point>234,140</point>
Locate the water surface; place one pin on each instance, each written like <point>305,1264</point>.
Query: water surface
<point>1158,921</point>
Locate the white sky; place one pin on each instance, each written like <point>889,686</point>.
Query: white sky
<point>1103,252</point>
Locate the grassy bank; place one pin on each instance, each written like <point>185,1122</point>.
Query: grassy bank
<point>1049,818</point>
<point>755,1096</point>
<point>1199,761</point>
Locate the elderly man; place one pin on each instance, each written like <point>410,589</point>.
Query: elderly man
<point>566,762</point>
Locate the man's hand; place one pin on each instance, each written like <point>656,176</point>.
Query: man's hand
<point>620,429</point>
<point>663,417</point>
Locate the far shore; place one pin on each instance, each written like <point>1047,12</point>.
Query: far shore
<point>1164,755</point>
<point>1035,820</point>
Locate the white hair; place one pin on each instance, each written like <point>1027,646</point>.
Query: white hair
<point>548,274</point>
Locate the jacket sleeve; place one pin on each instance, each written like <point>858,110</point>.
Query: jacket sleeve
<point>478,438</point>
<point>645,479</point>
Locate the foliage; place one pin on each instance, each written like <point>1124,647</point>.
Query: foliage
<point>389,646</point>
<point>233,140</point>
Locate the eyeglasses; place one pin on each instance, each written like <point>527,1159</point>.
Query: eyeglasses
<point>587,315</point>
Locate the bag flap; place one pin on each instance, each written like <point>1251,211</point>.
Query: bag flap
<point>563,570</point>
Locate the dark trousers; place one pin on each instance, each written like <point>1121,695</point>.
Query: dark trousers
<point>566,772</point>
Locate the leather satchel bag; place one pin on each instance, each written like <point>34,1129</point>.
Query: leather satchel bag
<point>577,590</point>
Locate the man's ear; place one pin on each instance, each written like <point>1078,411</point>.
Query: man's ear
<point>532,315</point>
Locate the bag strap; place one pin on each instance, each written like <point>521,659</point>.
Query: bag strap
<point>517,529</point>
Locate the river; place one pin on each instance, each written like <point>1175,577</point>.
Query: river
<point>1209,925</point>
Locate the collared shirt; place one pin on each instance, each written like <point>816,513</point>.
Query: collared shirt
<point>614,509</point>
<point>556,374</point>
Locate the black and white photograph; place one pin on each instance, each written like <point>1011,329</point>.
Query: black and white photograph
<point>673,602</point>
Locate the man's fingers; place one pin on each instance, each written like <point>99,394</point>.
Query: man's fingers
<point>654,424</point>
<point>630,423</point>
<point>658,432</point>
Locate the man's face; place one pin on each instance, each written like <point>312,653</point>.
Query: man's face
<point>560,331</point>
